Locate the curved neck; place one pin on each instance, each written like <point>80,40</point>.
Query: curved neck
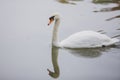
<point>55,32</point>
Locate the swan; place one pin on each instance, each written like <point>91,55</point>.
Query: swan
<point>82,39</point>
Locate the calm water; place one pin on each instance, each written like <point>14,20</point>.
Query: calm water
<point>25,40</point>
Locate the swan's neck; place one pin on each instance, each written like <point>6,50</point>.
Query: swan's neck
<point>55,32</point>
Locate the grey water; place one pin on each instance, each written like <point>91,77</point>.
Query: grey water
<point>25,40</point>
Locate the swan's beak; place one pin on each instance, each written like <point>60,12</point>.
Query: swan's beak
<point>50,21</point>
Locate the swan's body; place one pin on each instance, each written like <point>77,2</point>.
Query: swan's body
<point>87,39</point>
<point>83,39</point>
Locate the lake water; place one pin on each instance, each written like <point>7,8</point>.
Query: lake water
<point>25,40</point>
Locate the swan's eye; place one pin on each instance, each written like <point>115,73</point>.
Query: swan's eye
<point>51,18</point>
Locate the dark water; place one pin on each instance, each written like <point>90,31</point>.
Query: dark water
<point>25,40</point>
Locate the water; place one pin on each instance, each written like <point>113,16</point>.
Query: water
<point>25,40</point>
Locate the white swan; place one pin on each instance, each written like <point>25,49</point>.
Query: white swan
<point>83,39</point>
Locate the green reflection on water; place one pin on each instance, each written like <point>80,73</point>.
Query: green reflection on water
<point>54,54</point>
<point>68,1</point>
<point>108,9</point>
<point>118,16</point>
<point>105,1</point>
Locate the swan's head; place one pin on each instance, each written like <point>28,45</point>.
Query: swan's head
<point>55,16</point>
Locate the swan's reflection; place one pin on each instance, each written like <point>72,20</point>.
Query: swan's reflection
<point>90,52</point>
<point>54,54</point>
<point>86,52</point>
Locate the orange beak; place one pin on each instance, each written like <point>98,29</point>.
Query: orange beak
<point>50,21</point>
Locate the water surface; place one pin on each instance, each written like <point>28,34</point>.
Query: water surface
<point>25,39</point>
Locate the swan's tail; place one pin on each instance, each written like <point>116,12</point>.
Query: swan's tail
<point>114,40</point>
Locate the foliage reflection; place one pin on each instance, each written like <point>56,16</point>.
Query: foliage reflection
<point>68,1</point>
<point>105,2</point>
